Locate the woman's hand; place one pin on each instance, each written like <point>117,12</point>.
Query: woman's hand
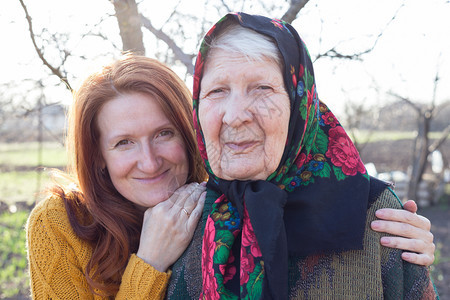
<point>414,230</point>
<point>169,226</point>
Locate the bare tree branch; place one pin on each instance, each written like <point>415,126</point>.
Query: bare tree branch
<point>436,83</point>
<point>408,101</point>
<point>56,71</point>
<point>186,59</point>
<point>226,6</point>
<point>438,143</point>
<point>101,35</point>
<point>291,14</point>
<point>174,12</point>
<point>333,53</point>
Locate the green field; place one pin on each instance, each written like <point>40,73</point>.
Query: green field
<point>22,177</point>
<point>14,280</point>
<point>363,136</point>
<point>26,154</point>
<point>22,186</point>
<point>19,182</point>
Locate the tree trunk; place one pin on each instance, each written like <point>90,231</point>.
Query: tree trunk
<point>420,155</point>
<point>40,148</point>
<point>129,26</point>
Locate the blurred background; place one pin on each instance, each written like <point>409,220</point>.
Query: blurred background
<point>383,67</point>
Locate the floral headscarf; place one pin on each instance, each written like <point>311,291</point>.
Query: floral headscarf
<point>315,202</point>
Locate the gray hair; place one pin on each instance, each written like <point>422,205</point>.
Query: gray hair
<point>235,38</point>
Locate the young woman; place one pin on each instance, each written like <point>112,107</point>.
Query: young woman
<point>137,196</point>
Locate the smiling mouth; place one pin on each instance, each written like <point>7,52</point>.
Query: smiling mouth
<point>152,179</point>
<point>241,147</point>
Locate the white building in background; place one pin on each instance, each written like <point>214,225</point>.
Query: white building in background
<point>54,118</point>
<point>25,128</point>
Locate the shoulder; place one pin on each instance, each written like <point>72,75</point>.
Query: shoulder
<point>49,219</point>
<point>387,199</point>
<point>384,198</point>
<point>382,195</point>
<point>51,209</point>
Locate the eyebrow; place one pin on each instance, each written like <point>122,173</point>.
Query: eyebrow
<point>122,133</point>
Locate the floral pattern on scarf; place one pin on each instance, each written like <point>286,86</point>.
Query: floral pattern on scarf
<point>319,166</point>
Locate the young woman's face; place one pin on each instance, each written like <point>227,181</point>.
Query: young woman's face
<point>144,153</point>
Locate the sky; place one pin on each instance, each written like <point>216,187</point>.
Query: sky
<point>413,46</point>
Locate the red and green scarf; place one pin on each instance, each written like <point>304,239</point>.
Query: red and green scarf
<point>315,202</point>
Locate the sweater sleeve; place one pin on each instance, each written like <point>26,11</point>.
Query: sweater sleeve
<point>55,254</point>
<point>57,260</point>
<point>142,281</point>
<point>401,279</point>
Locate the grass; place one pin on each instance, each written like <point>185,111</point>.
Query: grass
<point>363,136</point>
<point>14,278</point>
<point>26,154</point>
<point>21,186</point>
<point>20,160</point>
<point>437,274</point>
<point>19,182</point>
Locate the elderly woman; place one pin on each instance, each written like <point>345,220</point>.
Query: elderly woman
<point>289,202</point>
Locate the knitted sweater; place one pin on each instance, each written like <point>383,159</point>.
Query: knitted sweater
<point>58,257</point>
<point>376,272</point>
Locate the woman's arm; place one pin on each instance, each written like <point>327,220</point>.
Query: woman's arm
<point>55,255</point>
<point>412,231</point>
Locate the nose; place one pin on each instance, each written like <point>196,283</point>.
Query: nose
<point>149,160</point>
<point>237,109</point>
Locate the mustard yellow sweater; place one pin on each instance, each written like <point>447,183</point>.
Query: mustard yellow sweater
<point>57,260</point>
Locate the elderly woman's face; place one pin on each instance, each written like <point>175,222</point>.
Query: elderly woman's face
<point>244,114</point>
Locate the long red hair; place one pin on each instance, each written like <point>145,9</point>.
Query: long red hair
<point>97,212</point>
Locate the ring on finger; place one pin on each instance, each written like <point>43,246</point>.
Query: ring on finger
<point>186,212</point>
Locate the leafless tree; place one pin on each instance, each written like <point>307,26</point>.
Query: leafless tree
<point>130,25</point>
<point>186,58</point>
<point>57,70</point>
<point>130,22</point>
<point>360,122</point>
<point>422,146</point>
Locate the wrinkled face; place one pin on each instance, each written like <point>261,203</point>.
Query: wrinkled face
<point>244,114</point>
<point>143,151</point>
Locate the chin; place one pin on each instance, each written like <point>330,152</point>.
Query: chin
<point>243,175</point>
<point>154,199</point>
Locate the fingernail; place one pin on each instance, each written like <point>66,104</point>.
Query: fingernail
<point>406,255</point>
<point>375,225</point>
<point>203,183</point>
<point>385,240</point>
<point>379,213</point>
